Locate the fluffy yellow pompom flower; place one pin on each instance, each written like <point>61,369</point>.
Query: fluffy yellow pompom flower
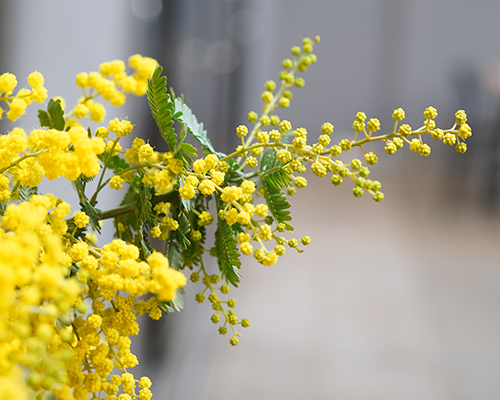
<point>248,187</point>
<point>8,83</point>
<point>81,111</point>
<point>81,219</point>
<point>97,111</point>
<point>206,187</point>
<point>166,280</point>
<point>121,128</point>
<point>17,108</point>
<point>35,79</point>
<point>231,193</point>
<point>116,182</point>
<point>82,79</point>
<point>176,166</point>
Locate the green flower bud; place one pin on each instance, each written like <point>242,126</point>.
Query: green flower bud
<point>195,277</point>
<point>215,318</point>
<point>287,63</point>
<point>233,341</point>
<point>358,191</point>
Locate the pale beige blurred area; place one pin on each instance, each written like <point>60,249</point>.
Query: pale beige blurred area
<point>392,300</point>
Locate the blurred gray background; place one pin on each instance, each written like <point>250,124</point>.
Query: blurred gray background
<point>392,300</point>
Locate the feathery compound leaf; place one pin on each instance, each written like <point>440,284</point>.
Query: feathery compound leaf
<point>178,302</point>
<point>183,230</point>
<point>162,107</point>
<point>89,209</point>
<point>145,219</point>
<point>53,118</point>
<point>173,253</point>
<point>272,172</point>
<point>277,203</point>
<point>25,192</point>
<point>185,116</point>
<point>227,255</point>
<point>145,206</point>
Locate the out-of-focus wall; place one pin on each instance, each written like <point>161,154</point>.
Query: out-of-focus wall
<point>392,300</point>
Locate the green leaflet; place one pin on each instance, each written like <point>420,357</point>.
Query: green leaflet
<point>227,253</point>
<point>128,220</point>
<point>146,220</point>
<point>53,118</point>
<point>183,231</point>
<point>173,254</point>
<point>186,117</point>
<point>138,220</point>
<point>176,304</point>
<point>277,203</point>
<point>185,152</point>
<point>162,107</point>
<point>165,307</point>
<point>234,170</point>
<point>116,163</point>
<point>25,192</point>
<point>164,113</point>
<point>274,178</point>
<point>87,207</point>
<point>272,172</point>
<point>146,208</point>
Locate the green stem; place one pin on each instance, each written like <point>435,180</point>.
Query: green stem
<point>93,200</point>
<point>245,149</point>
<point>120,210</point>
<point>271,105</point>
<point>20,159</point>
<point>394,134</point>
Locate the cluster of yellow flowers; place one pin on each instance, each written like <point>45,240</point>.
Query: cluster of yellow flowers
<point>69,305</point>
<point>47,282</point>
<point>111,82</point>
<point>24,97</point>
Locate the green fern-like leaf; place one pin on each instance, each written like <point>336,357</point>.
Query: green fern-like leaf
<point>145,220</point>
<point>162,107</point>
<point>53,118</point>
<point>272,172</point>
<point>227,253</point>
<point>183,231</point>
<point>178,302</point>
<point>173,254</point>
<point>89,209</point>
<point>185,152</point>
<point>25,192</point>
<point>185,116</point>
<point>277,203</point>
